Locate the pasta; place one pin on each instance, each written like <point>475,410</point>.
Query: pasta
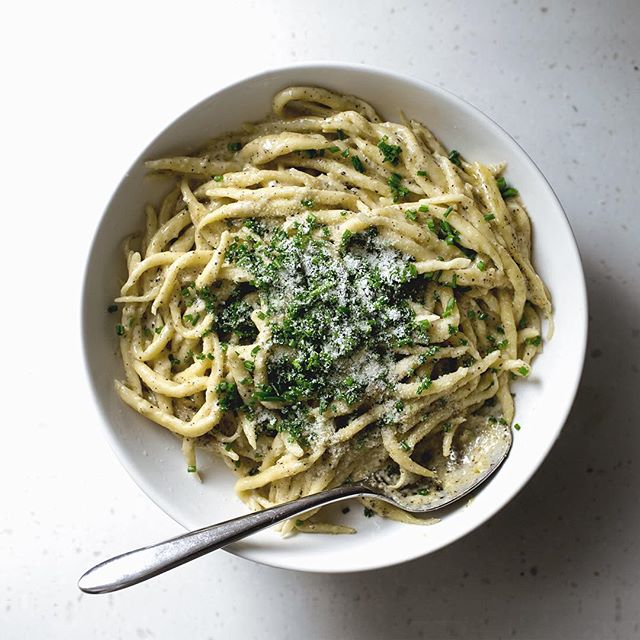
<point>323,296</point>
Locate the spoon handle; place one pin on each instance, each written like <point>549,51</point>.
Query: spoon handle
<point>141,564</point>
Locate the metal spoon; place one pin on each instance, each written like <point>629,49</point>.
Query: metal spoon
<point>476,456</point>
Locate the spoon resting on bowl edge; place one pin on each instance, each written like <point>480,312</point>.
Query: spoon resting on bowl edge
<point>470,464</point>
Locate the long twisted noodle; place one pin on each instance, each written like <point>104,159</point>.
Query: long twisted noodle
<point>323,295</point>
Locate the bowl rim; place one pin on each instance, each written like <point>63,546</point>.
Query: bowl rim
<point>412,552</point>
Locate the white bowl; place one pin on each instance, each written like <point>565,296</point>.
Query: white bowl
<point>152,455</point>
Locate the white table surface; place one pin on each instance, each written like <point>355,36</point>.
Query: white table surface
<point>86,86</point>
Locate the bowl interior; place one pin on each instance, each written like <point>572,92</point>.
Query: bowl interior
<point>152,455</point>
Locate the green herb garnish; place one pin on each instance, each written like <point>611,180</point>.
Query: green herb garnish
<point>506,191</point>
<point>357,164</point>
<point>390,152</point>
<point>448,310</point>
<point>454,157</point>
<point>397,190</point>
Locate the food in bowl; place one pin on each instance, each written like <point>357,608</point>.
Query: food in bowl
<point>324,296</point>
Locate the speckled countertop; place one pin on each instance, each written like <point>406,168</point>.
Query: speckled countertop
<point>87,85</point>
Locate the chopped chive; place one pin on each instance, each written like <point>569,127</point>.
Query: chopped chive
<point>423,208</point>
<point>517,427</point>
<point>481,265</point>
<point>192,319</point>
<point>523,371</point>
<point>447,212</point>
<point>411,214</point>
<point>341,134</point>
<point>112,308</point>
<point>431,225</point>
<point>506,191</point>
<point>345,237</point>
<point>120,330</point>
<point>404,445</point>
<point>395,185</point>
<point>248,365</point>
<point>369,513</point>
<point>307,202</point>
<point>448,310</point>
<point>534,341</point>
<point>422,174</point>
<point>334,149</point>
<point>390,152</point>
<point>471,314</point>
<point>299,522</point>
<point>454,156</point>
<point>489,217</point>
<point>345,153</point>
<point>424,385</point>
<point>191,468</point>
<point>218,178</point>
<point>234,146</point>
<point>357,164</point>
